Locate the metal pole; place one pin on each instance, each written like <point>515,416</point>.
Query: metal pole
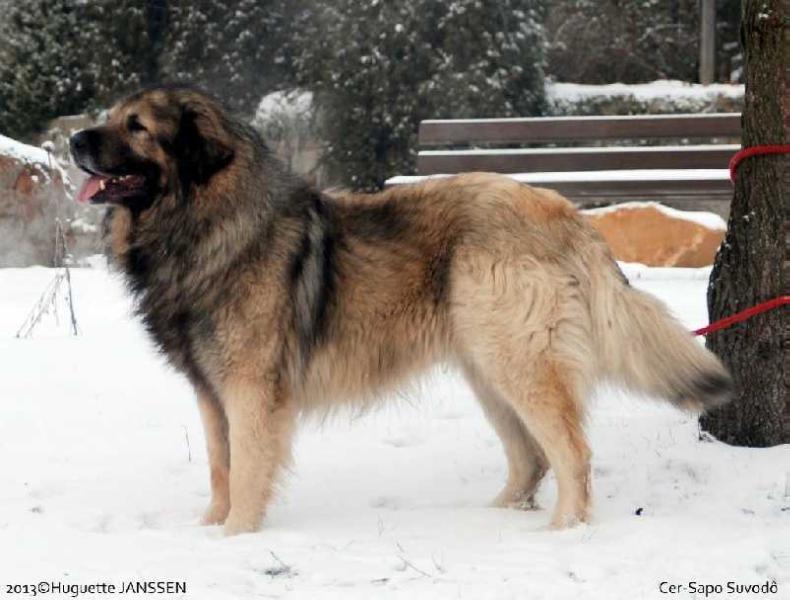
<point>707,43</point>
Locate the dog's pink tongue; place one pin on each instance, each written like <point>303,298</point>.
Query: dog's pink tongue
<point>89,189</point>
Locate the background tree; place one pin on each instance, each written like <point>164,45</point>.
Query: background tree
<point>237,49</point>
<point>42,70</point>
<point>729,56</point>
<point>64,56</point>
<point>377,68</point>
<point>753,264</point>
<point>126,40</point>
<point>606,41</point>
<point>157,21</point>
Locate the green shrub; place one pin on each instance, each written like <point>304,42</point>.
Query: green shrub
<point>377,68</point>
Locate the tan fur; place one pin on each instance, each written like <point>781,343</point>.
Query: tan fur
<point>215,426</point>
<point>503,280</point>
<point>526,460</point>
<point>519,319</point>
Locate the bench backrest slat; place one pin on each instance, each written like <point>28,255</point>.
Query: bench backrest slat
<point>577,159</point>
<point>570,129</point>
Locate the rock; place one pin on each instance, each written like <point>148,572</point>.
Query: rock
<point>659,236</point>
<point>56,136</point>
<point>85,224</point>
<point>34,192</point>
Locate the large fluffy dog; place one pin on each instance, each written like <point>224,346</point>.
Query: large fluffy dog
<point>274,299</point>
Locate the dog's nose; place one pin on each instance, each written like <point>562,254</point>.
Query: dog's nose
<point>78,143</point>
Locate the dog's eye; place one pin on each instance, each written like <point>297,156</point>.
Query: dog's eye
<point>133,124</point>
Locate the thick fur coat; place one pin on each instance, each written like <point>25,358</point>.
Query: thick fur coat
<point>275,299</point>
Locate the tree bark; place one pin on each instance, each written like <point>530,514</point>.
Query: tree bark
<point>753,263</point>
<point>156,18</point>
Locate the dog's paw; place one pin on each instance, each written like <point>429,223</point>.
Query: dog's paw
<point>567,520</point>
<point>515,499</point>
<point>237,525</point>
<point>215,514</point>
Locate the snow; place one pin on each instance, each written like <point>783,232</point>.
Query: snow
<point>573,92</point>
<point>81,225</point>
<point>30,155</point>
<point>569,176</point>
<point>291,102</point>
<point>23,152</point>
<point>706,219</point>
<point>581,151</point>
<point>574,118</point>
<point>104,476</point>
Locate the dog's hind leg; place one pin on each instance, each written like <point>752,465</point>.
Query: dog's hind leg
<point>215,428</point>
<point>546,402</point>
<point>525,333</point>
<point>526,461</point>
<point>260,427</point>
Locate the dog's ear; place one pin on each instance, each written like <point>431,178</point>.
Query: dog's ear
<point>202,143</point>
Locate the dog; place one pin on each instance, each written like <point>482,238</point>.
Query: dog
<point>274,299</point>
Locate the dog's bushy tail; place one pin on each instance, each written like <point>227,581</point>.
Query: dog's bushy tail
<point>640,345</point>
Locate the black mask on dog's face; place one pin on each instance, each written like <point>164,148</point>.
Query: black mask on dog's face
<point>152,142</point>
<point>116,174</point>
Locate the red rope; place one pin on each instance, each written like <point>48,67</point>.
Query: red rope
<point>735,161</point>
<point>762,150</point>
<point>743,315</point>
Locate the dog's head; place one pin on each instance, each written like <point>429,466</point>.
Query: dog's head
<point>157,142</point>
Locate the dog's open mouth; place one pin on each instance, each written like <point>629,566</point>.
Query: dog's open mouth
<point>99,189</point>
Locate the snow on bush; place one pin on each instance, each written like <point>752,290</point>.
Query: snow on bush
<point>285,116</point>
<point>285,120</point>
<point>662,96</point>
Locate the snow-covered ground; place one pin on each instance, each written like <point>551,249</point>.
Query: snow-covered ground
<point>103,476</point>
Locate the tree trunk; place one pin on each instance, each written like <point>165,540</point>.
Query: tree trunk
<point>753,263</point>
<point>156,18</point>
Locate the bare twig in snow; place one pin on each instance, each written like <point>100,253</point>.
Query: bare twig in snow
<point>283,570</point>
<point>189,447</point>
<point>418,570</point>
<point>407,563</point>
<point>48,301</point>
<point>438,565</point>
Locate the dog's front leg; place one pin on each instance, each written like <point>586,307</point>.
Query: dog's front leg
<point>260,426</point>
<point>215,428</point>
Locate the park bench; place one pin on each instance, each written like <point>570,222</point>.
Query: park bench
<point>680,160</point>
